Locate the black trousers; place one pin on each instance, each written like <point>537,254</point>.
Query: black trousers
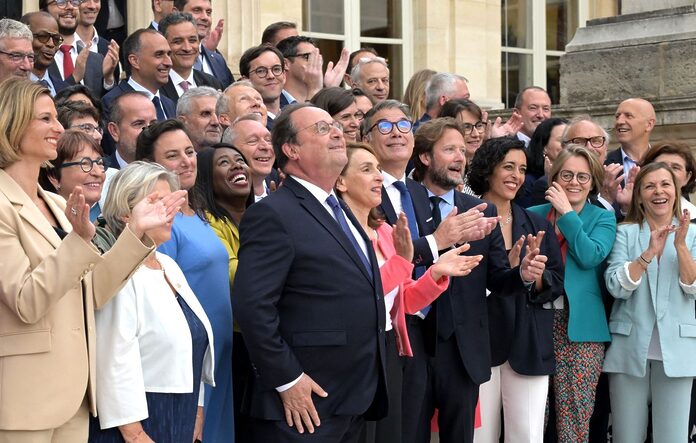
<point>336,429</point>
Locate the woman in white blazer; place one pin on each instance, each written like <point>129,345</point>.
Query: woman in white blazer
<point>154,341</point>
<point>652,274</point>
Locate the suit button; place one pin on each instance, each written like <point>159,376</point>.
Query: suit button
<point>380,330</point>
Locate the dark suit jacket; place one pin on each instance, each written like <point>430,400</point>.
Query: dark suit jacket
<point>521,330</point>
<point>112,162</point>
<point>103,48</point>
<point>58,83</point>
<point>462,309</point>
<point>94,79</point>
<point>123,87</point>
<point>201,79</point>
<point>103,17</point>
<point>219,66</point>
<point>422,255</point>
<point>306,303</point>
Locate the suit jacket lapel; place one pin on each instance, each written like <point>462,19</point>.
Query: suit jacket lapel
<point>644,242</point>
<point>421,206</point>
<point>521,226</point>
<point>321,215</point>
<point>387,208</point>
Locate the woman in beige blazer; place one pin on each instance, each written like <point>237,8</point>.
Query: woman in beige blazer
<point>52,278</point>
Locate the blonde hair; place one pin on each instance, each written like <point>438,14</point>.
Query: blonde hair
<point>17,102</point>
<point>636,212</point>
<point>414,95</point>
<point>596,168</point>
<point>130,185</point>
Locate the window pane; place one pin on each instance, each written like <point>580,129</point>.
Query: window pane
<point>394,58</point>
<point>553,78</point>
<point>380,18</point>
<point>516,75</point>
<point>330,50</point>
<point>323,16</point>
<point>561,23</point>
<point>516,16</point>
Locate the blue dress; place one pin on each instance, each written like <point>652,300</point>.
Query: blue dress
<point>205,263</point>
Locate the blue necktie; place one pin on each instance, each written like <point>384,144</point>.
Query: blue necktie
<point>407,205</point>
<point>158,108</point>
<point>341,219</point>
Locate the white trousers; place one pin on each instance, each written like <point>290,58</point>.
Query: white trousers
<point>523,400</point>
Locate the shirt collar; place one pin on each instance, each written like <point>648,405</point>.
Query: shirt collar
<point>155,25</point>
<point>390,179</point>
<point>177,79</point>
<point>121,162</point>
<point>313,189</point>
<point>138,87</point>
<point>448,196</point>
<point>288,97</point>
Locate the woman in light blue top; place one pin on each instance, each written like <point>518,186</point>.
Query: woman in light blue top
<point>652,275</point>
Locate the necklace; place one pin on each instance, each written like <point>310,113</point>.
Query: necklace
<point>508,217</point>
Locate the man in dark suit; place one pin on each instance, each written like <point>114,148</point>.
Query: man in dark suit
<point>457,324</point>
<point>112,22</point>
<point>160,9</point>
<point>308,295</point>
<point>148,64</point>
<point>45,44</point>
<point>180,31</point>
<point>87,32</point>
<point>264,67</point>
<point>210,62</point>
<point>196,109</point>
<point>634,121</point>
<point>130,113</point>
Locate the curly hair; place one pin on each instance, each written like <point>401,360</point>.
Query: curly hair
<point>487,157</point>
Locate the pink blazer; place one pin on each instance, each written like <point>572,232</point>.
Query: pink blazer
<point>413,295</point>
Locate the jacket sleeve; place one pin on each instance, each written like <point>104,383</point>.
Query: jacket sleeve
<point>615,275</point>
<point>588,249</point>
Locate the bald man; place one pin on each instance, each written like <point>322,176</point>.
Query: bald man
<point>634,120</point>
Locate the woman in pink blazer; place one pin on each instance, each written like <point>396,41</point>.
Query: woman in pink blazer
<point>360,186</point>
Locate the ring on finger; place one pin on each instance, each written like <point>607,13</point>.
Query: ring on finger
<point>73,211</point>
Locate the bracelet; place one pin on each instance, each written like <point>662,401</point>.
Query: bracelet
<point>644,260</point>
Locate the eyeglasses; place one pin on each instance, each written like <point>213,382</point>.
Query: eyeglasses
<point>43,37</point>
<point>262,72</point>
<point>479,126</point>
<point>64,3</point>
<point>568,176</point>
<point>595,142</point>
<point>359,115</point>
<point>386,127</point>
<point>323,127</point>
<point>86,164</point>
<point>88,128</point>
<point>17,57</point>
<point>304,55</point>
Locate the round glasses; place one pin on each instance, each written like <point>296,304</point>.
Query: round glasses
<point>322,128</point>
<point>386,127</point>
<point>262,72</point>
<point>44,36</point>
<point>479,126</point>
<point>595,142</point>
<point>64,3</point>
<point>88,128</point>
<point>567,176</point>
<point>86,164</point>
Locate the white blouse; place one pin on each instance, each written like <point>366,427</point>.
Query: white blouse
<point>144,344</point>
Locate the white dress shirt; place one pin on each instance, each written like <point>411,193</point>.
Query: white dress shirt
<point>177,79</point>
<point>144,344</point>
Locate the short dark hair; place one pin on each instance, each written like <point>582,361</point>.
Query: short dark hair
<point>486,158</point>
<point>255,52</point>
<point>115,111</point>
<point>132,44</point>
<point>175,18</point>
<point>63,96</point>
<point>145,145</point>
<point>284,131</point>
<point>69,111</point>
<point>384,104</point>
<point>520,96</point>
<point>678,148</point>
<point>333,100</point>
<point>180,4</point>
<point>540,138</point>
<point>204,183</point>
<point>288,46</point>
<point>271,30</point>
<point>69,144</point>
<point>426,136</point>
<point>453,107</point>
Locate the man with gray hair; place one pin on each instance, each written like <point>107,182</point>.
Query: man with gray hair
<point>196,109</point>
<point>16,52</point>
<point>240,98</point>
<point>372,76</point>
<point>442,87</point>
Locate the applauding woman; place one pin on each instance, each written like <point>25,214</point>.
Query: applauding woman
<point>52,278</point>
<point>359,185</point>
<point>586,234</point>
<point>652,275</point>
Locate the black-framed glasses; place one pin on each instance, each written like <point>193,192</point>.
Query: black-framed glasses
<point>44,36</point>
<point>64,3</point>
<point>358,115</point>
<point>85,163</point>
<point>595,142</point>
<point>479,126</point>
<point>386,127</point>
<point>304,55</point>
<point>568,176</point>
<point>322,127</point>
<point>262,72</point>
<point>18,57</point>
<point>88,128</point>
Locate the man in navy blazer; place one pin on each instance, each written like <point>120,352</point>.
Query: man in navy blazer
<point>87,31</point>
<point>457,323</point>
<point>308,295</point>
<point>210,62</point>
<point>42,24</point>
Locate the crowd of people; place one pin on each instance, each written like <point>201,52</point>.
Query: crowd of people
<point>295,256</point>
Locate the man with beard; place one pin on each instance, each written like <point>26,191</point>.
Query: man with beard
<point>91,69</point>
<point>456,328</point>
<point>179,28</point>
<point>196,109</point>
<point>210,62</point>
<point>87,32</point>
<point>16,53</point>
<point>533,105</point>
<point>264,66</point>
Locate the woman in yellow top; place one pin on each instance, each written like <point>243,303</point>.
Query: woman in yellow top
<point>224,187</point>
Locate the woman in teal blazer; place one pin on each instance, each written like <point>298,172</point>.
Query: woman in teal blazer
<point>586,234</point>
<point>652,275</point>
